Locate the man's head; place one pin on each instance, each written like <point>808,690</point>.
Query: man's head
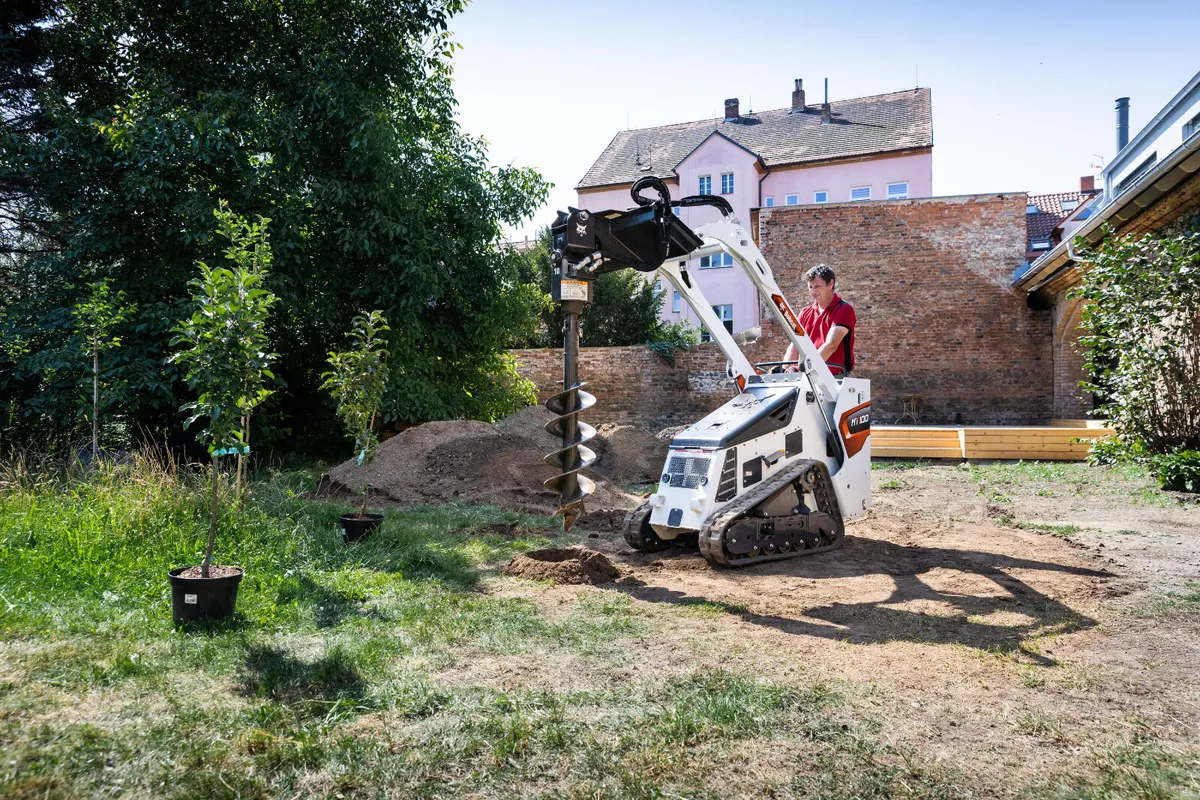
<point>821,282</point>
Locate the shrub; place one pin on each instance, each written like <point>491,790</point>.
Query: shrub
<point>1179,471</point>
<point>1141,322</point>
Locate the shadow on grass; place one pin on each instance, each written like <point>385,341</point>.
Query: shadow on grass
<point>1003,619</point>
<point>329,606</point>
<point>273,673</point>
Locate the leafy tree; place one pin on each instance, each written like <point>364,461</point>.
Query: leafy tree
<point>225,355</point>
<point>1141,318</point>
<point>357,379</point>
<point>95,317</point>
<point>624,308</point>
<point>335,119</point>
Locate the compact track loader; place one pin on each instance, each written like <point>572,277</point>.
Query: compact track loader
<point>774,472</point>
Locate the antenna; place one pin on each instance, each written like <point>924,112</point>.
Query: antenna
<point>750,105</point>
<point>827,91</point>
<point>917,75</point>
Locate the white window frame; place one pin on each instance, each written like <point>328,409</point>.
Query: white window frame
<point>716,261</point>
<point>793,200</point>
<point>854,189</point>
<point>726,186</point>
<point>821,196</point>
<point>704,185</point>
<point>675,302</point>
<point>1190,127</point>
<point>1070,204</point>
<point>724,313</point>
<point>1042,243</point>
<point>658,287</point>
<point>897,195</point>
<point>768,202</point>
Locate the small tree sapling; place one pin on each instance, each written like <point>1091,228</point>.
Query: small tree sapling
<point>357,380</point>
<point>95,317</point>
<point>226,358</point>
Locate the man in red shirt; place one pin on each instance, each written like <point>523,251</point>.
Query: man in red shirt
<point>829,321</point>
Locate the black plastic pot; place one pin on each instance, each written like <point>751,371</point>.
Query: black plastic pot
<point>195,599</point>
<point>356,528</point>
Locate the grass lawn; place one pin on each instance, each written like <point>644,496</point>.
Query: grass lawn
<point>337,678</point>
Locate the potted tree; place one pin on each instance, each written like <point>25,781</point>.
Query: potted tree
<point>226,361</point>
<point>357,379</point>
<point>95,317</point>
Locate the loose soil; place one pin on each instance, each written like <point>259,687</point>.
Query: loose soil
<point>1012,628</point>
<point>214,571</point>
<point>502,464</point>
<point>566,565</point>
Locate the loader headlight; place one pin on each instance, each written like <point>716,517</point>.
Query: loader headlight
<point>666,478</point>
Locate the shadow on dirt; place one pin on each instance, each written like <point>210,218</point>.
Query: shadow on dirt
<point>1000,618</point>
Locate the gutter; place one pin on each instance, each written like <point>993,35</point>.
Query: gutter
<point>1185,159</point>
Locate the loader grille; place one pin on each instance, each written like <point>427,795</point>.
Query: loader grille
<point>727,487</point>
<point>686,471</point>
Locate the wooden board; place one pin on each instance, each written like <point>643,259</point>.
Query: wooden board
<point>1045,443</point>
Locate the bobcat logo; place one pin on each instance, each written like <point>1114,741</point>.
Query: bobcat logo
<point>580,230</point>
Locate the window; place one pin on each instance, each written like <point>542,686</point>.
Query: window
<point>1070,205</point>
<point>705,184</point>
<point>675,302</point>
<point>1191,127</point>
<point>658,287</point>
<point>793,199</point>
<point>1134,176</point>
<point>726,183</point>
<point>820,197</point>
<point>769,202</point>
<point>725,314</point>
<point>716,261</point>
<point>1040,244</point>
<point>676,210</point>
<point>860,193</point>
<point>1031,208</point>
<point>897,191</point>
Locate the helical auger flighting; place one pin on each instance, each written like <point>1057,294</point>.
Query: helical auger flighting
<point>572,486</point>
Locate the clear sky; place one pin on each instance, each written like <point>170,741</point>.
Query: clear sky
<point>1023,93</point>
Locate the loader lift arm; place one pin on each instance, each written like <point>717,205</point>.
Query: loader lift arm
<point>650,237</point>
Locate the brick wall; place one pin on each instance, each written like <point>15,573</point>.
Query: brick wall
<point>938,321</point>
<point>635,385</point>
<point>930,281</point>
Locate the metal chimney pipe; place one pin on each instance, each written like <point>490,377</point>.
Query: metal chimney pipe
<point>1122,123</point>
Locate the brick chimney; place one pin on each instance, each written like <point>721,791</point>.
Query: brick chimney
<point>1087,184</point>
<point>731,109</point>
<point>798,95</point>
<point>826,113</point>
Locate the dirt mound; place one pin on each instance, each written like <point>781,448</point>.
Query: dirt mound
<point>628,454</point>
<point>472,462</point>
<point>564,565</point>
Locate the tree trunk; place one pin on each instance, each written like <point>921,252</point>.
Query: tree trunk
<point>95,405</point>
<point>367,468</point>
<point>212,517</point>
<point>240,487</point>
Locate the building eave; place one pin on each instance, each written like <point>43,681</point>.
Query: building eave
<point>1183,162</point>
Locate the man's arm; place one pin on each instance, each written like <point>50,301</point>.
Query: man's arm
<point>836,334</point>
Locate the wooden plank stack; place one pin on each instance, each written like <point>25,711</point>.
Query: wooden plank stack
<point>1062,440</point>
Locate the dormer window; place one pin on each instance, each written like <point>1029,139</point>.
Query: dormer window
<point>1070,205</point>
<point>1040,244</point>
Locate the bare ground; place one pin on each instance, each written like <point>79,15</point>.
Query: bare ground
<point>1006,623</point>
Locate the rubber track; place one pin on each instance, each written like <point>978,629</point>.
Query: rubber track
<point>635,531</point>
<point>712,534</point>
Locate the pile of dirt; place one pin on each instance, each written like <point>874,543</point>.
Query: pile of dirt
<point>564,565</point>
<point>475,462</point>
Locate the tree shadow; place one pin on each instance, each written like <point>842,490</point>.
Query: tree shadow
<point>1001,622</point>
<point>275,674</point>
<point>329,606</point>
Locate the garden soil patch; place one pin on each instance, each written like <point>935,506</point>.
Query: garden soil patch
<point>475,462</point>
<point>570,565</point>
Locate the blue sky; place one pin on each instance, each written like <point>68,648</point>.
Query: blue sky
<point>1023,93</point>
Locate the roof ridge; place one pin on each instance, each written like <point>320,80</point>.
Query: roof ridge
<point>772,110</point>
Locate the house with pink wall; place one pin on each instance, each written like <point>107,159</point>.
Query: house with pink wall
<point>868,149</point>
